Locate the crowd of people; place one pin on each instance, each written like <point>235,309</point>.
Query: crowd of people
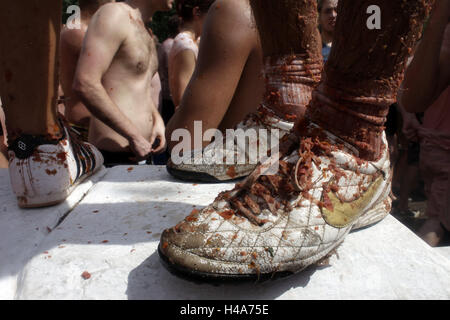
<point>125,93</point>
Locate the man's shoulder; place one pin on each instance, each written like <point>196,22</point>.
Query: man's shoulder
<point>113,11</point>
<point>232,5</point>
<point>111,20</point>
<point>237,8</point>
<point>228,16</point>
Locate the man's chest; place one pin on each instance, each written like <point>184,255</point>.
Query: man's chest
<point>138,53</point>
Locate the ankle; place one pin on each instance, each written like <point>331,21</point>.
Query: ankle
<point>358,120</point>
<point>25,145</point>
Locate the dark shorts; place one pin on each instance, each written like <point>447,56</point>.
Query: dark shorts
<point>392,121</point>
<point>84,132</point>
<point>117,158</point>
<point>413,154</point>
<point>167,110</point>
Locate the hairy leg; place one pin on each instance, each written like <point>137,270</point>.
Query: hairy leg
<point>28,71</point>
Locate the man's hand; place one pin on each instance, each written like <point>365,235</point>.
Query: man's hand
<point>158,133</point>
<point>411,127</point>
<point>141,147</point>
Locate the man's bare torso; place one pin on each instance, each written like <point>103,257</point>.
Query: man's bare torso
<point>128,83</point>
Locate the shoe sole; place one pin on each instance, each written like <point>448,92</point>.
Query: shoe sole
<point>200,277</point>
<point>203,277</point>
<point>193,176</point>
<point>30,203</point>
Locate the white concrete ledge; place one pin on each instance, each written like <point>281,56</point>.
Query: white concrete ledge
<point>21,231</point>
<point>113,234</point>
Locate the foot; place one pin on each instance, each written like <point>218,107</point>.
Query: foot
<point>282,223</point>
<point>407,213</point>
<point>211,165</point>
<point>432,232</point>
<point>44,173</point>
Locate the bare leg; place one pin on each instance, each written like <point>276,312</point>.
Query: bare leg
<point>431,232</point>
<point>408,184</point>
<point>28,70</point>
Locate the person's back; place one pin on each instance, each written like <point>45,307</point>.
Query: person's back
<point>117,64</point>
<point>227,83</point>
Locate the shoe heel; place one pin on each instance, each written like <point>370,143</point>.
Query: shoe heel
<point>380,211</point>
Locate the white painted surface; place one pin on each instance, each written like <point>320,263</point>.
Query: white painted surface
<point>113,234</point>
<point>445,251</point>
<point>21,231</point>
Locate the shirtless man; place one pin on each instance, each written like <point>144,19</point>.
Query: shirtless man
<point>230,58</point>
<point>71,41</point>
<point>113,78</point>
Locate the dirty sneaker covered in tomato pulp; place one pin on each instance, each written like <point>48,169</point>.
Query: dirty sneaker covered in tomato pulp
<point>44,172</point>
<point>282,223</point>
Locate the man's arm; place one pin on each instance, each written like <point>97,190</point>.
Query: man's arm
<point>106,33</point>
<point>180,72</point>
<point>158,130</point>
<point>427,76</point>
<point>226,43</point>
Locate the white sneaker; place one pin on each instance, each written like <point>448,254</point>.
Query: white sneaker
<point>204,165</point>
<point>280,224</point>
<point>44,173</point>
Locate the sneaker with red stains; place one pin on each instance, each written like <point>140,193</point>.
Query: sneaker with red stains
<point>277,225</point>
<point>44,173</point>
<point>236,154</point>
<point>290,80</point>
